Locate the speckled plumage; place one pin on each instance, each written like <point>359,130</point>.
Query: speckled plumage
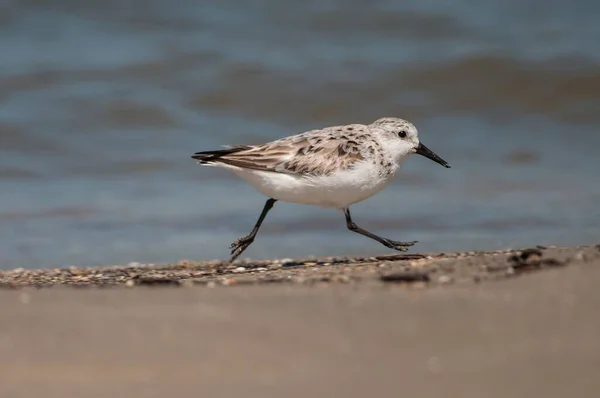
<point>317,152</point>
<point>313,153</point>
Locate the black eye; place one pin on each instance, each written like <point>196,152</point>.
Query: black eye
<point>402,134</point>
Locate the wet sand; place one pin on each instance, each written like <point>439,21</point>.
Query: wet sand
<point>496,324</point>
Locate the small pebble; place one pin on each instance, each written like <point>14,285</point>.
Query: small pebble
<point>240,269</point>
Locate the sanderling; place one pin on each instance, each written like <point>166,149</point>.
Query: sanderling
<point>331,167</point>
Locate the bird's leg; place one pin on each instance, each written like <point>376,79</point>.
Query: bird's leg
<point>392,244</point>
<point>242,244</point>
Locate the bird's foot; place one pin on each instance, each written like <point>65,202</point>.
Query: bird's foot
<point>400,246</point>
<point>239,246</point>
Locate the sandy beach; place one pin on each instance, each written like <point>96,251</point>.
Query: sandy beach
<point>493,324</point>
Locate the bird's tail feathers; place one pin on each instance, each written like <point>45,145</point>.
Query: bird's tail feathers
<point>212,157</point>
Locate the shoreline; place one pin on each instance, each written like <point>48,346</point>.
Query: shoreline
<point>416,270</point>
<point>427,327</point>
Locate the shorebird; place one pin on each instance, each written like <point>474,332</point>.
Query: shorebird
<point>330,167</point>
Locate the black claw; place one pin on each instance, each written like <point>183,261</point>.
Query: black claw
<point>400,246</point>
<point>392,244</point>
<point>239,246</point>
<point>242,244</point>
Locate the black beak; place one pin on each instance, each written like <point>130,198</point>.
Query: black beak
<point>428,153</point>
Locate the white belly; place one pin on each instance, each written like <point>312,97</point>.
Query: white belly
<point>337,190</point>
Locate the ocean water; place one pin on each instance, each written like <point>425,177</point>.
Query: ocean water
<point>102,104</point>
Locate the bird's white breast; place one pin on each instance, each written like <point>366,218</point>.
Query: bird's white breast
<point>339,189</point>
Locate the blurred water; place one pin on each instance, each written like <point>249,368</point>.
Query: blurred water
<point>102,103</point>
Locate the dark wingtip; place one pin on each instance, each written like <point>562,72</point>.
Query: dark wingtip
<point>210,156</point>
